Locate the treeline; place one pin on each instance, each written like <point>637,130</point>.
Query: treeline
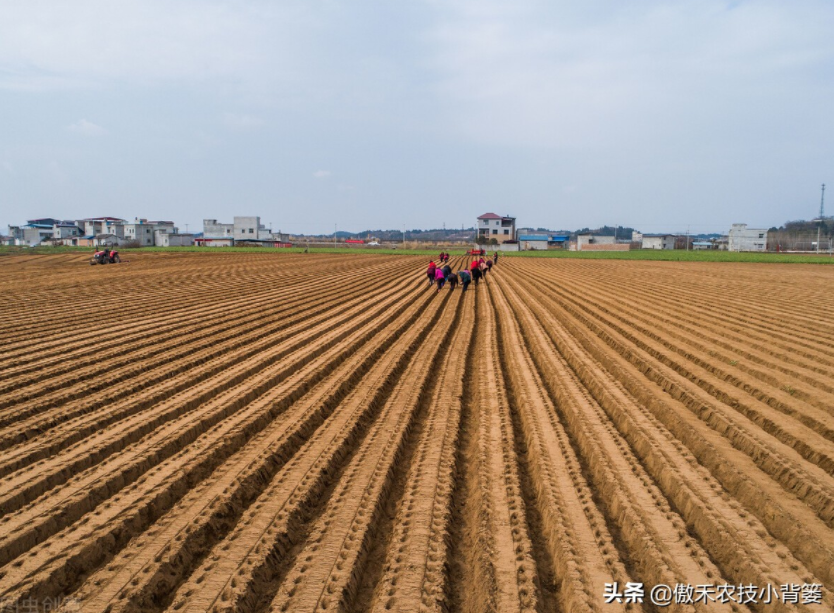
<point>801,225</point>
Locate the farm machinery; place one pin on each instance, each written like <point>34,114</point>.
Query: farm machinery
<point>105,256</point>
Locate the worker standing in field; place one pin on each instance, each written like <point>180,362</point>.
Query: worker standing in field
<point>439,279</point>
<point>465,279</point>
<point>430,272</point>
<point>495,257</point>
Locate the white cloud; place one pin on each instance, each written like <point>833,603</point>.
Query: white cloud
<point>87,128</point>
<point>321,174</point>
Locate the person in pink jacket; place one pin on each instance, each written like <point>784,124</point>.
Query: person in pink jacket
<point>439,278</point>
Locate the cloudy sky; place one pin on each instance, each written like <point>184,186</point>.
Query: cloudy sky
<point>660,115</point>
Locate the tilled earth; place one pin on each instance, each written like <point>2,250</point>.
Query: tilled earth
<point>286,432</point>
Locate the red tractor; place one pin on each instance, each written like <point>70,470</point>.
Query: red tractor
<point>476,252</point>
<point>105,256</point>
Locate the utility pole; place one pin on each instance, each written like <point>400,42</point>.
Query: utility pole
<point>403,236</point>
<point>687,238</point>
<point>335,229</point>
<point>822,214</point>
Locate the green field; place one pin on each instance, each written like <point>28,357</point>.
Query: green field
<point>673,256</point>
<point>684,256</point>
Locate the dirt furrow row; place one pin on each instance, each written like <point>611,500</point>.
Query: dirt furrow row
<point>812,484</point>
<point>717,344</point>
<point>143,310</point>
<point>651,537</point>
<point>78,419</point>
<point>751,552</point>
<point>181,422</point>
<point>143,384</point>
<point>246,570</point>
<point>148,572</point>
<point>413,569</point>
<point>191,322</point>
<point>751,304</point>
<point>328,570</point>
<point>138,505</point>
<point>790,332</point>
<point>572,528</point>
<point>690,327</point>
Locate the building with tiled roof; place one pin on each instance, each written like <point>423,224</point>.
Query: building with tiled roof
<point>501,228</point>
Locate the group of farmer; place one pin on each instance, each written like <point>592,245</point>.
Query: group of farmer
<point>477,270</point>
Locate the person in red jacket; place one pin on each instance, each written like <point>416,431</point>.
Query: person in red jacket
<point>475,271</point>
<point>430,272</point>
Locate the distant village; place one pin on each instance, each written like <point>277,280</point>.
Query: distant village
<point>499,232</point>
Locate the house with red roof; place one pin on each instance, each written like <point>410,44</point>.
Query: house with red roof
<point>501,228</point>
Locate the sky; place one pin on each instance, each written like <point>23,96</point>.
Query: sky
<point>660,115</point>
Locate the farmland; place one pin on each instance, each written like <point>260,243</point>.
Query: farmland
<point>288,432</point>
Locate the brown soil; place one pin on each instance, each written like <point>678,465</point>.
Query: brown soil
<point>286,432</point>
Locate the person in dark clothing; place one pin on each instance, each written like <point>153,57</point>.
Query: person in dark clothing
<point>476,274</point>
<point>452,280</point>
<point>495,257</point>
<point>489,265</point>
<point>447,271</point>
<point>430,272</point>
<point>465,278</point>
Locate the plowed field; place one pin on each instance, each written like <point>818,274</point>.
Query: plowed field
<point>286,432</point>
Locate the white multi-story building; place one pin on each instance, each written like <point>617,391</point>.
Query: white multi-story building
<point>102,225</point>
<point>500,228</point>
<point>244,228</point>
<point>658,241</point>
<point>213,229</point>
<point>144,232</point>
<point>742,238</point>
<point>163,238</point>
<point>65,229</point>
<point>34,232</point>
<point>250,229</point>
